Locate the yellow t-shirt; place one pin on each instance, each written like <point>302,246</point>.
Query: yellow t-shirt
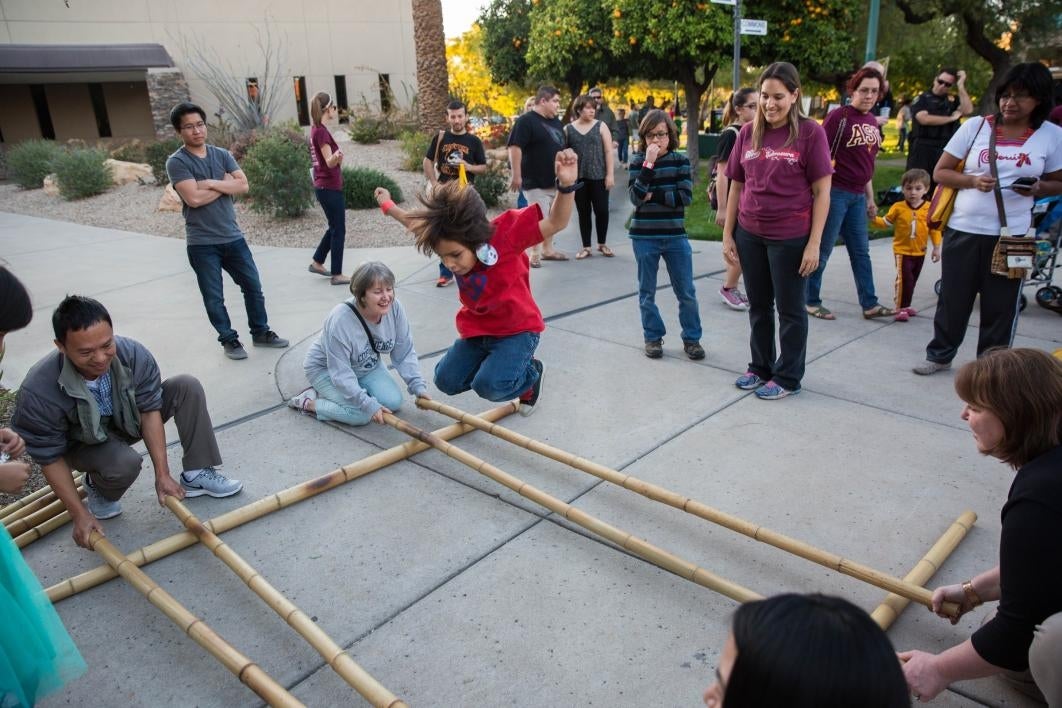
<point>910,229</point>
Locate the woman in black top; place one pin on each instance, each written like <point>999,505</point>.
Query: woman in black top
<point>1014,410</point>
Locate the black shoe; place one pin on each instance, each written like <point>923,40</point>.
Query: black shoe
<point>269,339</point>
<point>693,350</point>
<point>234,350</point>
<point>654,349</point>
<point>530,397</point>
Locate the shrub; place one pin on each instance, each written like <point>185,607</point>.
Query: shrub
<point>156,154</point>
<point>242,143</point>
<point>81,173</point>
<point>414,144</point>
<point>130,152</point>
<point>29,162</point>
<point>365,130</point>
<point>359,183</point>
<point>278,171</point>
<point>492,184</point>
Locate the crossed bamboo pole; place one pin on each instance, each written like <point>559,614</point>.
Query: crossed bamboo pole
<point>359,679</point>
<point>247,671</point>
<point>640,547</point>
<point>904,588</point>
<point>32,502</point>
<point>267,505</point>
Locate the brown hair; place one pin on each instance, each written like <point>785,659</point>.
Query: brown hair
<point>581,102</point>
<point>915,175</point>
<point>453,213</point>
<point>786,73</point>
<point>730,111</point>
<point>318,105</point>
<point>1023,388</point>
<point>862,75</point>
<point>650,120</point>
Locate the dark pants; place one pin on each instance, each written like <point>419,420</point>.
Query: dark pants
<point>331,201</point>
<point>593,196</point>
<point>113,465</point>
<point>496,368</point>
<point>771,270</point>
<point>901,142</point>
<point>966,272</point>
<point>621,149</point>
<point>235,259</point>
<point>924,154</point>
<point>908,268</point>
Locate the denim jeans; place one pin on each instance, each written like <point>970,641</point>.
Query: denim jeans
<point>331,200</point>
<point>678,258</point>
<point>332,405</point>
<point>235,258</point>
<point>496,368</point>
<point>847,218</point>
<point>621,149</point>
<point>771,270</point>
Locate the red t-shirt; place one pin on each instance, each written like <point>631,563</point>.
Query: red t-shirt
<point>776,197</point>
<point>324,177</point>
<point>855,148</point>
<point>496,300</point>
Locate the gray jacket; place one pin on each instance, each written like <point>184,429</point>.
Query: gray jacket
<point>56,409</point>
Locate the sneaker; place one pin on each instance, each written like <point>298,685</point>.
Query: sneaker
<point>928,368</point>
<point>734,298</point>
<point>234,350</point>
<point>693,350</point>
<point>771,391</point>
<point>98,505</point>
<point>269,339</point>
<point>530,396</point>
<point>210,481</point>
<point>748,381</point>
<point>901,316</point>
<point>443,281</point>
<point>911,312</point>
<point>300,402</point>
<point>654,349</point>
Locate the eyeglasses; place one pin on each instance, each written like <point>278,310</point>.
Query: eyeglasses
<point>947,84</point>
<point>194,126</point>
<point>656,135</point>
<point>1015,97</point>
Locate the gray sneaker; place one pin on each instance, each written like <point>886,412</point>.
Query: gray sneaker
<point>98,505</point>
<point>269,338</point>
<point>210,481</point>
<point>928,368</point>
<point>234,350</point>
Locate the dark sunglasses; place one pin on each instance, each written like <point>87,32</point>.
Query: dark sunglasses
<point>945,83</point>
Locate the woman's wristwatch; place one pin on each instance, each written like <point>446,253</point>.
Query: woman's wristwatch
<point>561,189</point>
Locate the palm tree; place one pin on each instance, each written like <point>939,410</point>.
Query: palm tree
<point>433,88</point>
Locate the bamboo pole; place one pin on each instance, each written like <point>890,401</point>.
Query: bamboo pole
<point>640,547</point>
<point>833,561</point>
<point>25,523</point>
<point>358,678</point>
<point>38,532</point>
<point>891,607</point>
<point>30,498</point>
<point>266,505</point>
<point>248,672</point>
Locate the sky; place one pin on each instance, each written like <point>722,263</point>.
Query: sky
<point>458,15</point>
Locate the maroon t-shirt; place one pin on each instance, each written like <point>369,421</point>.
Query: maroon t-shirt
<point>324,177</point>
<point>776,197</point>
<point>854,139</point>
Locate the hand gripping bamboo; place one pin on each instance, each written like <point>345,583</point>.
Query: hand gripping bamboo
<point>856,570</point>
<point>649,552</point>
<point>266,505</point>
<point>19,504</point>
<point>248,672</point>
<point>359,679</point>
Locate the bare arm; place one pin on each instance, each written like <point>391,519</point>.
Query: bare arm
<point>428,168</point>
<point>872,205</point>
<point>331,158</point>
<point>733,196</point>
<point>820,207</point>
<point>61,479</point>
<point>195,195</point>
<point>155,441</point>
<point>566,167</point>
<point>929,674</point>
<point>396,212</point>
<point>610,163</point>
<point>515,155</point>
<point>234,183</point>
<point>722,187</point>
<point>946,174</point>
<point>965,104</point>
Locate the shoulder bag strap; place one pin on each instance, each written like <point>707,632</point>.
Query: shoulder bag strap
<point>438,146</point>
<point>364,325</point>
<point>840,131</point>
<point>1003,230</point>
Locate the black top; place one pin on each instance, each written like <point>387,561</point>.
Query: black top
<point>1030,563</point>
<point>466,146</point>
<point>726,142</point>
<point>540,139</point>
<point>937,106</point>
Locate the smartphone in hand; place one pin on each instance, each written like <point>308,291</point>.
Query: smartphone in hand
<point>1022,183</point>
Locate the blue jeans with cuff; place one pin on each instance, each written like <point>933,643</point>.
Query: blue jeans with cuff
<point>678,258</point>
<point>234,257</point>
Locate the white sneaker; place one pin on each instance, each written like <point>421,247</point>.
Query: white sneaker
<point>300,402</point>
<point>99,506</point>
<point>211,482</point>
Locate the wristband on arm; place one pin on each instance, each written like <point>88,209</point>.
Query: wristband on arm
<point>387,206</point>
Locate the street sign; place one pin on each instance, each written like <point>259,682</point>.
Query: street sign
<point>754,27</point>
<point>725,2</point>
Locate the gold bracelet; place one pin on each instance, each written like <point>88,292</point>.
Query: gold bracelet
<point>971,595</point>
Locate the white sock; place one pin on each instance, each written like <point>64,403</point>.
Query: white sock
<point>190,475</point>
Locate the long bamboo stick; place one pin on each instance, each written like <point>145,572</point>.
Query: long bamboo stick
<point>640,547</point>
<point>32,497</point>
<point>38,532</point>
<point>266,505</point>
<point>696,508</point>
<point>248,672</point>
<point>359,679</point>
<point>891,607</point>
<point>21,525</point>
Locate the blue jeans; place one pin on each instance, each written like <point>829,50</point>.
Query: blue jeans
<point>334,238</point>
<point>847,218</point>
<point>333,405</point>
<point>496,368</point>
<point>678,258</point>
<point>444,272</point>
<point>621,150</point>
<point>235,258</point>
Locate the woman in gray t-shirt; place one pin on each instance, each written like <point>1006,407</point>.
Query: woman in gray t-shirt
<point>592,142</point>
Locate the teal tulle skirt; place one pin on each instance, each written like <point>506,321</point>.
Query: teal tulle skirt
<point>37,656</point>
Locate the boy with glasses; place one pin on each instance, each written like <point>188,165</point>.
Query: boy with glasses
<point>935,118</point>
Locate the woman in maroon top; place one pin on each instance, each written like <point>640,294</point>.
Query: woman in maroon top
<point>854,139</point>
<point>328,185</point>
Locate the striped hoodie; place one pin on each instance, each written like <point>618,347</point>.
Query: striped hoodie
<point>671,186</point>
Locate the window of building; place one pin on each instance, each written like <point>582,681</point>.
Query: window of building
<point>44,116</point>
<point>99,107</point>
<point>341,98</point>
<point>386,97</point>
<point>302,106</point>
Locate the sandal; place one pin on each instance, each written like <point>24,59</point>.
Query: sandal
<point>605,250</point>
<point>583,253</point>
<point>536,261</point>
<point>878,311</point>
<point>820,312</point>
<point>555,256</point>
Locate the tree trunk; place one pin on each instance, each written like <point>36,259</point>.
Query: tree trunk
<point>433,87</point>
<point>693,90</point>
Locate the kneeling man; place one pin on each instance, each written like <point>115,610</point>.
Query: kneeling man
<point>83,406</point>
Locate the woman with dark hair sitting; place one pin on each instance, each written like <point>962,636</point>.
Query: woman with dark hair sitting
<point>1014,409</point>
<point>806,651</point>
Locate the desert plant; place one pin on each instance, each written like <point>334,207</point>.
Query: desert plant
<point>241,143</point>
<point>365,130</point>
<point>492,184</point>
<point>130,152</point>
<point>30,161</point>
<point>278,171</point>
<point>359,183</point>
<point>156,154</point>
<point>81,173</point>
<point>414,144</point>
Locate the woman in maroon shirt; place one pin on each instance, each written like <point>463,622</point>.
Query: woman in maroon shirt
<point>328,186</point>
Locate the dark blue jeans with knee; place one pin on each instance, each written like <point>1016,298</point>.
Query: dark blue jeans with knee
<point>235,259</point>
<point>496,368</point>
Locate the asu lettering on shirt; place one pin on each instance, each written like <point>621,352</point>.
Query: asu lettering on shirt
<point>864,134</point>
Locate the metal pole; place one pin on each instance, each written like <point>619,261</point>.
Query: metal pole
<point>872,31</point>
<point>737,45</point>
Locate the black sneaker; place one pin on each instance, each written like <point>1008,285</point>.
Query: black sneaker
<point>269,339</point>
<point>693,350</point>
<point>234,350</point>
<point>654,349</point>
<point>530,397</point>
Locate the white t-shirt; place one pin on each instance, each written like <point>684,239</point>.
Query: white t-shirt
<point>975,212</point>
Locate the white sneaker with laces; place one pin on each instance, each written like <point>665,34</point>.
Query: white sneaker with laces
<point>300,402</point>
<point>209,481</point>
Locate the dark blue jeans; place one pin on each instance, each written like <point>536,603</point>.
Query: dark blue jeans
<point>235,259</point>
<point>678,258</point>
<point>331,201</point>
<point>848,218</point>
<point>621,149</point>
<point>496,368</point>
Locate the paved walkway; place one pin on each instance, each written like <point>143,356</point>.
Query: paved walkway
<point>452,590</point>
